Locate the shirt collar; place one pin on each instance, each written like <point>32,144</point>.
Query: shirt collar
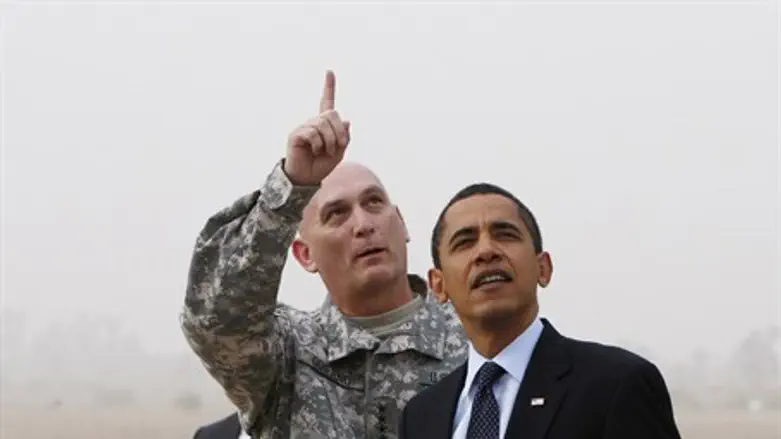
<point>242,432</point>
<point>514,358</point>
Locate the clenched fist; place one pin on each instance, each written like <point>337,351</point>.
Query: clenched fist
<point>316,147</point>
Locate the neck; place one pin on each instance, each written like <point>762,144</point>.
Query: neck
<point>491,337</point>
<point>375,299</point>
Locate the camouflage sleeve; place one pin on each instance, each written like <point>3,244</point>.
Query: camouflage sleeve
<point>230,317</point>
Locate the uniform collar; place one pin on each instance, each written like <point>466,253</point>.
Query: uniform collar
<point>425,332</point>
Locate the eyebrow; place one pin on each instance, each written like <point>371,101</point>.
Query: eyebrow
<point>494,225</point>
<point>505,225</point>
<point>331,204</point>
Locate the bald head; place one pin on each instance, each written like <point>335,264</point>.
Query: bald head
<point>347,181</point>
<point>348,171</point>
<point>350,215</point>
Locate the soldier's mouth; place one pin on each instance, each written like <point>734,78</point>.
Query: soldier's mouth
<point>371,251</point>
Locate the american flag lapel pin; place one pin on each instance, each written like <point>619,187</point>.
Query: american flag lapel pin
<point>538,402</point>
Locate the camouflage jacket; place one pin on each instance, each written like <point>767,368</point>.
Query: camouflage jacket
<point>297,374</point>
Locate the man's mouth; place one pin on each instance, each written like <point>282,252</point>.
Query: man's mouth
<point>491,277</point>
<point>371,251</point>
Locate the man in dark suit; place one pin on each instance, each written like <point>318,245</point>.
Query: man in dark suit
<point>522,378</point>
<point>226,428</point>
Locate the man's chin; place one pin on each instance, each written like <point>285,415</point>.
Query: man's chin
<point>376,276</point>
<point>496,314</point>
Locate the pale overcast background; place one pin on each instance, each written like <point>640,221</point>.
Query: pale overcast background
<point>643,136</point>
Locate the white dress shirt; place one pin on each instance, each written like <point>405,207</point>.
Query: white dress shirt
<point>242,434</point>
<point>514,359</point>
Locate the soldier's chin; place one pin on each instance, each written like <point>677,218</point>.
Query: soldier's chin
<point>377,275</point>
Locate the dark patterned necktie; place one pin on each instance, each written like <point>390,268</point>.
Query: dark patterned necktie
<point>484,423</point>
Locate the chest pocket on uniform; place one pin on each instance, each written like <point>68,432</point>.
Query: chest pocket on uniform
<point>343,374</point>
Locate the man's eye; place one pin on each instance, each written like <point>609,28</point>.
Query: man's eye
<point>460,243</point>
<point>374,203</point>
<point>334,213</point>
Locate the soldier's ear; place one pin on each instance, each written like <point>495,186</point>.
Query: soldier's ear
<point>303,255</point>
<point>406,231</point>
<point>437,284</point>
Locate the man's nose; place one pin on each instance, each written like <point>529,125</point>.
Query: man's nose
<point>364,223</point>
<point>486,251</point>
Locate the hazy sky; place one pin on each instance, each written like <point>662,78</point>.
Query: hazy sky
<point>643,136</point>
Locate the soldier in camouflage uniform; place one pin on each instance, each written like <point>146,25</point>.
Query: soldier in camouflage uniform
<point>346,370</point>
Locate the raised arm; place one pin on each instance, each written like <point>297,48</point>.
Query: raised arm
<point>231,318</point>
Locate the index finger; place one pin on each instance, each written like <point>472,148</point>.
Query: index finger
<point>329,92</point>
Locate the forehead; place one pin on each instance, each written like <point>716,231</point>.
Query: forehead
<point>346,183</point>
<point>481,211</point>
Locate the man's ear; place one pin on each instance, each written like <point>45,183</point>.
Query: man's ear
<point>546,269</point>
<point>437,284</point>
<point>303,256</point>
<point>406,232</point>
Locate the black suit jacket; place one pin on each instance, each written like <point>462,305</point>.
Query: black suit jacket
<point>590,391</point>
<point>227,428</point>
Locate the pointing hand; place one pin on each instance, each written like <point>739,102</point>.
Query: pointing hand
<point>316,147</point>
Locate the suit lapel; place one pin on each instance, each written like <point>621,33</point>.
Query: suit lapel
<point>439,421</point>
<point>543,387</point>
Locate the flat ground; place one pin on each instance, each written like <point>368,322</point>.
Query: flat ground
<point>166,423</point>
